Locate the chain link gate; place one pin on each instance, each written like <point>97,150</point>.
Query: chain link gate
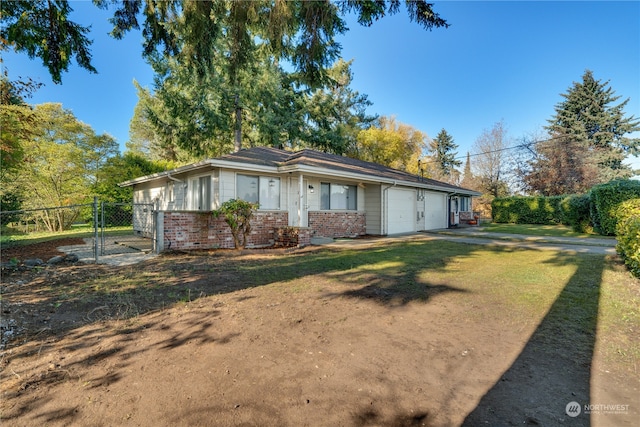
<point>125,228</point>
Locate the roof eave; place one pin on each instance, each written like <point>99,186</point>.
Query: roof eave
<point>372,179</point>
<point>209,163</point>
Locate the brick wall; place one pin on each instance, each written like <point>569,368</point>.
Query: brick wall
<point>289,237</point>
<point>467,217</point>
<point>338,224</point>
<point>193,230</point>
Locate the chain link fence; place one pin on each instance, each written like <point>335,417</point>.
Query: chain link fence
<point>105,228</point>
<point>126,227</point>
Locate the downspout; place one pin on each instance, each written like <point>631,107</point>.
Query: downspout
<point>384,208</point>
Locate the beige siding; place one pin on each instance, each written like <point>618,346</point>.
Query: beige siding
<point>148,193</point>
<point>372,207</point>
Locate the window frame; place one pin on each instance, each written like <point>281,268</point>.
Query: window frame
<point>261,193</point>
<point>195,193</point>
<point>326,198</point>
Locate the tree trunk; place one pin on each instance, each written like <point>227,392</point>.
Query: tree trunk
<point>237,145</point>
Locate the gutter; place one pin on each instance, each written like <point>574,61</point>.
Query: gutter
<point>173,179</point>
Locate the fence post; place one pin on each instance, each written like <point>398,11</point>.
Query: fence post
<point>154,226</point>
<point>95,228</point>
<point>101,228</point>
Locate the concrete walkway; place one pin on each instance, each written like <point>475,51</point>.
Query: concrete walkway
<point>115,254</point>
<point>598,246</point>
<point>476,236</point>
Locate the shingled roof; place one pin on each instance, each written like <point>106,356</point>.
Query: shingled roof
<point>281,160</point>
<point>267,156</point>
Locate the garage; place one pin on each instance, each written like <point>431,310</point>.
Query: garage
<point>401,211</point>
<point>435,210</point>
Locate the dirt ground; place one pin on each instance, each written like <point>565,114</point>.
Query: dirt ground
<point>44,250</point>
<point>288,354</point>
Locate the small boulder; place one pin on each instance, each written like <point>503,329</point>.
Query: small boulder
<point>33,262</point>
<point>55,260</point>
<point>9,266</point>
<point>71,258</point>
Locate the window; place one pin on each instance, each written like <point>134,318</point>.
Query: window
<point>465,205</point>
<point>264,190</point>
<point>200,193</point>
<point>338,196</point>
<point>204,195</point>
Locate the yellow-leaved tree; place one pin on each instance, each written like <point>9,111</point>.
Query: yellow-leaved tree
<point>393,144</point>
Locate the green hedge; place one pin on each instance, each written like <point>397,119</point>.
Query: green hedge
<point>605,199</point>
<point>628,234</point>
<point>527,210</point>
<point>576,212</point>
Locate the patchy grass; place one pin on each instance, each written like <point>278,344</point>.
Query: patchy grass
<point>9,239</point>
<point>513,282</point>
<point>539,230</point>
<point>432,314</point>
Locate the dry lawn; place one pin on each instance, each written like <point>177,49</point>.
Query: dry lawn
<point>416,333</point>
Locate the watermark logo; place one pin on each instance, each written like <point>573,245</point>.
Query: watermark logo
<point>608,408</point>
<point>573,409</point>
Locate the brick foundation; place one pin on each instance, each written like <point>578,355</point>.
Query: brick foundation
<point>469,218</point>
<point>338,224</point>
<point>195,230</point>
<point>289,237</point>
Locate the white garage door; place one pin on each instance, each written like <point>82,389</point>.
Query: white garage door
<point>435,211</point>
<point>401,211</point>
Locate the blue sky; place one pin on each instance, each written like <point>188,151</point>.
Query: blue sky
<point>506,61</point>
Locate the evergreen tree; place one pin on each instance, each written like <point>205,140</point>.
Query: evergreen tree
<point>468,180</point>
<point>561,167</point>
<point>43,29</point>
<point>444,154</point>
<point>588,119</point>
<point>300,31</point>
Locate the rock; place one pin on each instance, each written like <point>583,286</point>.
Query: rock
<point>71,258</point>
<point>33,262</point>
<point>9,266</point>
<point>55,260</point>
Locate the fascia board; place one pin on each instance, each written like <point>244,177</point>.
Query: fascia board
<point>243,166</point>
<point>304,169</point>
<point>211,163</point>
<point>182,169</point>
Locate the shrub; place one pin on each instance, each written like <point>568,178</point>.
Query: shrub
<point>575,212</point>
<point>628,234</point>
<point>237,214</point>
<point>605,199</point>
<point>527,210</point>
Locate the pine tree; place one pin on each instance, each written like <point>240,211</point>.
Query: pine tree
<point>468,180</point>
<point>561,167</point>
<point>444,154</point>
<point>588,118</point>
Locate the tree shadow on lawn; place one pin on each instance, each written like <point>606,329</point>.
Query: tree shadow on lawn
<point>554,366</point>
<point>73,297</point>
<point>387,275</point>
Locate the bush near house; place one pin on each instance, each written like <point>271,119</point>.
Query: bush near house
<point>606,198</point>
<point>237,214</point>
<point>527,210</point>
<point>628,234</point>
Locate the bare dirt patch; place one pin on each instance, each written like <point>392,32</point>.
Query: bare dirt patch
<point>213,339</point>
<point>43,250</point>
